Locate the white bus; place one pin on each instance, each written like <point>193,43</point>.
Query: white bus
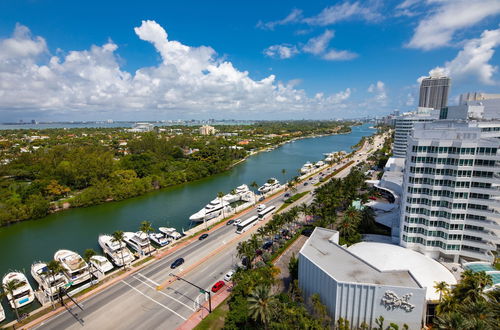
<point>266,211</point>
<point>245,225</point>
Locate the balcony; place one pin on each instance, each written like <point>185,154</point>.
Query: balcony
<point>483,223</point>
<point>477,255</point>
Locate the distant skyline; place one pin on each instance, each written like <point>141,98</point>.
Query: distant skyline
<point>148,60</point>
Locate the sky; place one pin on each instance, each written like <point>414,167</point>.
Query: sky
<point>167,60</point>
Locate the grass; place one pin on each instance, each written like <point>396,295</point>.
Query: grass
<point>143,260</point>
<point>215,320</point>
<point>292,199</point>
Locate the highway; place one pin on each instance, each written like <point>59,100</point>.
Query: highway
<point>136,303</point>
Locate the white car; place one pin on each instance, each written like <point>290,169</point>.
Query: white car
<point>229,275</point>
<point>261,207</point>
<point>236,222</point>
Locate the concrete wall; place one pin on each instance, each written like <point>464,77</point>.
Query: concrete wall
<point>358,302</point>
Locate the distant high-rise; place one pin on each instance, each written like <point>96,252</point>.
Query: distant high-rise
<point>434,92</point>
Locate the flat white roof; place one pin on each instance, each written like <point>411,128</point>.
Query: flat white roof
<point>389,257</point>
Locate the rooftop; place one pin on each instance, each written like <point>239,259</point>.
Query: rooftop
<point>343,265</point>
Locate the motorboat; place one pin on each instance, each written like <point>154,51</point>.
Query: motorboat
<point>159,239</point>
<point>211,210</point>
<point>238,194</point>
<point>170,232</point>
<point>21,296</point>
<point>319,164</point>
<point>47,282</point>
<point>101,263</point>
<point>139,242</point>
<point>306,168</point>
<point>115,250</point>
<point>2,313</point>
<point>75,268</point>
<point>270,185</point>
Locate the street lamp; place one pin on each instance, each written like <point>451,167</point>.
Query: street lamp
<point>199,288</point>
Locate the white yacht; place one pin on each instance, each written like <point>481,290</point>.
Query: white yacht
<point>170,232</point>
<point>306,168</point>
<point>270,185</point>
<point>2,313</point>
<point>239,193</point>
<point>117,251</point>
<point>75,268</point>
<point>139,242</point>
<point>21,296</point>
<point>101,263</point>
<point>319,164</point>
<point>211,210</point>
<point>48,283</point>
<point>159,239</point>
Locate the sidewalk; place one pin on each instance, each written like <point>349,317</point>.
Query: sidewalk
<point>199,315</point>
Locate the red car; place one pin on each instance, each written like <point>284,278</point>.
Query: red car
<point>217,286</point>
<point>373,198</point>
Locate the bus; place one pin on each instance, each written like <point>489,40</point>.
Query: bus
<point>266,211</point>
<point>245,225</point>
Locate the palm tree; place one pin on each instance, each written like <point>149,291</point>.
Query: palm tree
<point>292,187</point>
<point>87,255</point>
<point>346,228</point>
<point>441,288</point>
<point>118,237</point>
<point>254,185</point>
<point>261,304</point>
<point>283,171</point>
<point>9,288</point>
<point>54,267</point>
<point>146,228</point>
<point>220,194</point>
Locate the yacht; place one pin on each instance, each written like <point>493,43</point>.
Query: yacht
<point>48,283</point>
<point>159,239</point>
<point>21,296</point>
<point>306,168</point>
<point>211,210</point>
<point>2,313</point>
<point>239,193</point>
<point>117,251</point>
<point>270,185</point>
<point>170,232</point>
<point>319,164</point>
<point>101,263</point>
<point>139,242</point>
<point>75,268</point>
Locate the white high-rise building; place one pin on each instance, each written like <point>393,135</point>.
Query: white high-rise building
<point>450,207</point>
<point>404,125</point>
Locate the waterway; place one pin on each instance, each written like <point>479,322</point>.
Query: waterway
<point>77,229</point>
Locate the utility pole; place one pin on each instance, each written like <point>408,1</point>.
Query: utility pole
<point>199,288</point>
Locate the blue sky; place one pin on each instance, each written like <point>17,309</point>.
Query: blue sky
<point>130,60</point>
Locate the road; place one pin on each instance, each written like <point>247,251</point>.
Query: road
<point>136,303</point>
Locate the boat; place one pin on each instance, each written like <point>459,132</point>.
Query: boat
<point>139,242</point>
<point>306,168</point>
<point>211,210</point>
<point>319,164</point>
<point>159,239</point>
<point>241,192</point>
<point>21,296</point>
<point>170,232</point>
<point>270,185</point>
<point>101,263</point>
<point>48,283</point>
<point>75,268</point>
<point>2,313</point>
<point>116,251</point>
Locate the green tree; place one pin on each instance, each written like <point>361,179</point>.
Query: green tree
<point>261,305</point>
<point>54,267</point>
<point>87,255</point>
<point>8,289</point>
<point>441,288</point>
<point>119,237</point>
<point>146,228</point>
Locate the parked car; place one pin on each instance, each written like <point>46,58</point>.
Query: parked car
<point>373,198</point>
<point>307,231</point>
<point>305,183</point>
<point>177,263</point>
<point>230,222</point>
<point>267,245</point>
<point>202,237</point>
<point>286,195</point>
<point>310,178</point>
<point>236,222</point>
<point>229,275</point>
<point>217,286</point>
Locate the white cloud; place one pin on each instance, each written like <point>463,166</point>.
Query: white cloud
<point>344,11</point>
<point>281,51</point>
<point>293,17</point>
<point>339,55</point>
<point>189,81</point>
<point>318,45</point>
<point>410,100</point>
<point>473,59</point>
<point>449,16</point>
<point>380,94</point>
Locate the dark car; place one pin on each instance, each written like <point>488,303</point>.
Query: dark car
<point>202,237</point>
<point>310,178</point>
<point>307,231</point>
<point>217,286</point>
<point>244,261</point>
<point>267,245</point>
<point>261,198</point>
<point>287,195</point>
<point>177,263</point>
<point>230,222</point>
<point>305,184</point>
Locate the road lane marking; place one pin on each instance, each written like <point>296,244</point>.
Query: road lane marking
<point>159,303</point>
<point>163,293</point>
<point>147,279</point>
